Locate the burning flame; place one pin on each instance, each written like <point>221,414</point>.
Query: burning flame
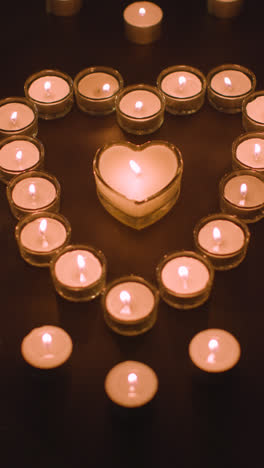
<point>135,167</point>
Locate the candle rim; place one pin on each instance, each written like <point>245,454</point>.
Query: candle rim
<point>240,140</point>
<point>182,68</point>
<point>230,175</point>
<point>26,102</point>
<point>45,74</point>
<point>140,87</point>
<point>134,5</point>
<point>232,67</point>
<point>34,141</point>
<point>97,69</point>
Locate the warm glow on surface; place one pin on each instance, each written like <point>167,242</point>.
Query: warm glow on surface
<point>32,189</point>
<point>135,167</point>
<point>183,272</point>
<point>132,378</point>
<point>106,87</point>
<point>125,297</point>
<point>211,358</point>
<point>13,117</point>
<point>19,155</point>
<point>142,11</point>
<point>46,338</point>
<point>47,87</point>
<point>216,234</point>
<point>213,344</point>
<point>182,81</point>
<point>257,150</point>
<point>227,81</point>
<point>43,226</point>
<point>139,105</point>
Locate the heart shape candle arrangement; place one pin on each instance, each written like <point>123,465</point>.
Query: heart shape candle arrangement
<point>138,184</point>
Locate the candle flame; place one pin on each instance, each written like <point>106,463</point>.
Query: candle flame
<point>106,87</point>
<point>46,338</point>
<point>13,118</point>
<point>80,261</point>
<point>216,234</point>
<point>142,11</point>
<point>19,155</point>
<point>139,105</point>
<point>213,344</point>
<point>47,87</point>
<point>43,226</point>
<point>32,189</point>
<point>227,81</point>
<point>243,190</point>
<point>257,150</point>
<point>182,81</point>
<point>132,378</point>
<point>125,297</point>
<point>135,167</point>
<point>183,272</point>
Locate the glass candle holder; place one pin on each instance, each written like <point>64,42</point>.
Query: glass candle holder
<point>184,89</point>
<point>224,9</point>
<point>96,89</point>
<point>185,279</point>
<point>130,305</point>
<point>142,22</point>
<point>41,236</point>
<point>242,194</point>
<point>46,347</point>
<point>253,111</point>
<point>138,184</point>
<point>78,272</point>
<point>131,384</point>
<point>228,85</point>
<point>18,116</point>
<point>20,154</point>
<point>223,239</point>
<point>63,7</point>
<point>214,350</point>
<point>248,152</point>
<point>52,92</point>
<point>140,109</point>
<point>33,192</point>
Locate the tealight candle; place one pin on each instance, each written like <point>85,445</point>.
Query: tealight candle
<point>18,116</point>
<point>184,89</point>
<point>32,192</point>
<point>19,154</point>
<point>143,22</point>
<point>223,239</point>
<point>248,151</point>
<point>78,272</point>
<point>214,350</point>
<point>185,279</point>
<point>138,185</point>
<point>131,384</point>
<point>224,8</point>
<point>96,88</point>
<point>41,236</point>
<point>253,112</point>
<point>46,347</point>
<point>242,194</point>
<point>140,109</point>
<point>228,85</point>
<point>63,7</point>
<point>130,305</point>
<point>52,92</point>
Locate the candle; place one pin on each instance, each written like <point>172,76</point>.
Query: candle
<point>143,22</point>
<point>184,89</point>
<point>32,192</point>
<point>138,184</point>
<point>18,116</point>
<point>96,89</point>
<point>242,194</point>
<point>63,7</point>
<point>248,151</point>
<point>224,8</point>
<point>223,239</point>
<point>19,154</point>
<point>140,109</point>
<point>130,305</point>
<point>41,236</point>
<point>131,384</point>
<point>78,272</point>
<point>46,347</point>
<point>253,112</point>
<point>52,92</point>
<point>185,279</point>
<point>214,350</point>
<point>228,85</point>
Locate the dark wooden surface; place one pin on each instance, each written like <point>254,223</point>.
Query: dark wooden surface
<point>66,420</point>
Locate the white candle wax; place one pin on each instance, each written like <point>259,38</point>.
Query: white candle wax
<point>98,85</point>
<point>181,84</point>
<point>140,104</point>
<point>231,239</point>
<point>19,155</point>
<point>255,109</point>
<point>34,193</point>
<point>137,303</point>
<point>194,281</point>
<point>238,85</point>
<point>246,153</point>
<point>49,89</point>
<point>24,116</point>
<point>33,237</point>
<point>157,164</point>
<point>214,350</point>
<point>46,347</point>
<point>131,384</point>
<point>254,191</point>
<point>78,275</point>
<point>143,14</point>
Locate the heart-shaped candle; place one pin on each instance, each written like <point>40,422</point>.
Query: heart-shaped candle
<point>138,184</point>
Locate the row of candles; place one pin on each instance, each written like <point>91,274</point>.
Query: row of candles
<point>137,185</point>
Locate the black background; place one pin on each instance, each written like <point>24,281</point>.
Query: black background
<point>66,420</point>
